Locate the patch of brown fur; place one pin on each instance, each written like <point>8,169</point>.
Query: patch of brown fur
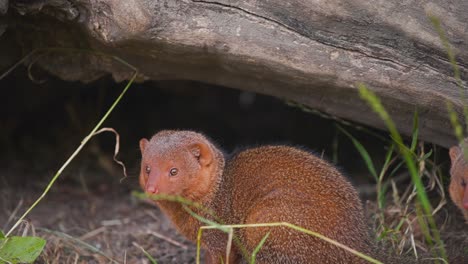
<point>269,184</point>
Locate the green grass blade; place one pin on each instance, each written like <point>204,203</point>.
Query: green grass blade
<point>175,198</point>
<point>414,137</point>
<point>364,154</point>
<point>422,224</point>
<point>426,156</point>
<point>457,127</point>
<point>453,117</point>
<point>258,247</point>
<point>450,53</point>
<point>148,255</point>
<point>377,106</point>
<point>456,70</point>
<point>397,167</point>
<point>388,157</point>
<point>381,188</point>
<point>206,221</point>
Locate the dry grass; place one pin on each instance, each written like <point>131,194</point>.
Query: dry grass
<point>398,222</point>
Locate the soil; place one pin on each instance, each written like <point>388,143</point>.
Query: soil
<point>96,226</point>
<point>107,223</point>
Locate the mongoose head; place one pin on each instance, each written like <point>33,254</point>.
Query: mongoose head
<point>459,178</point>
<point>181,163</point>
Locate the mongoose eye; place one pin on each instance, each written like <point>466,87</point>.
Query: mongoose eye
<point>173,171</point>
<point>147,169</point>
<point>463,183</point>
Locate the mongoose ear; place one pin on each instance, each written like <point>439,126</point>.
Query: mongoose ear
<point>454,153</point>
<point>143,143</point>
<point>202,152</point>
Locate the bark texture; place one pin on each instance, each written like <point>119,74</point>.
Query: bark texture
<point>308,51</point>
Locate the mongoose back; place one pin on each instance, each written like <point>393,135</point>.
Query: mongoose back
<point>458,187</point>
<point>258,185</point>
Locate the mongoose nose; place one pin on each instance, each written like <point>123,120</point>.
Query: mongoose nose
<point>152,189</point>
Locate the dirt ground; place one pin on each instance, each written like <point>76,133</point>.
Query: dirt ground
<point>95,226</point>
<point>107,223</point>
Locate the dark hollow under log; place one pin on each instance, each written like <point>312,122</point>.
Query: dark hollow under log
<point>310,52</point>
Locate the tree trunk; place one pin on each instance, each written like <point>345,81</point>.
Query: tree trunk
<point>311,52</point>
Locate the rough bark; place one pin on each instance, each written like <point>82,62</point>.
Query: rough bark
<point>308,51</point>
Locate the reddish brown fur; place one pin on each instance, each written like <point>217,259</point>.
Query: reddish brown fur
<point>458,188</point>
<point>258,185</point>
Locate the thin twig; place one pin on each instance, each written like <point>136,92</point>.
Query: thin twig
<point>152,215</point>
<point>163,237</point>
<point>115,222</point>
<point>93,233</point>
<point>13,214</point>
